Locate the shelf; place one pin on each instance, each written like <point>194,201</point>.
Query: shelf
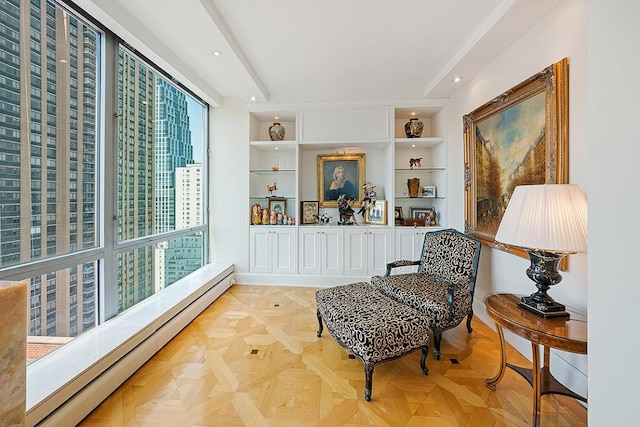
<point>419,142</point>
<point>286,145</point>
<point>417,170</point>
<point>343,145</point>
<point>272,197</point>
<point>272,172</point>
<point>419,197</point>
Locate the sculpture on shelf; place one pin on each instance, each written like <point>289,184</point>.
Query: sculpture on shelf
<point>272,189</point>
<point>415,162</point>
<point>369,200</point>
<point>346,210</point>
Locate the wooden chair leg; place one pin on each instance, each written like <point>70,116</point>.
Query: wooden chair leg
<point>423,358</point>
<point>437,337</point>
<point>319,333</point>
<point>368,380</point>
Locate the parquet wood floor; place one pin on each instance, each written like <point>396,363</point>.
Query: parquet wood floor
<point>253,359</point>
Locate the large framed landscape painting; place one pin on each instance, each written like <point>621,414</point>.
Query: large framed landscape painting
<point>517,138</point>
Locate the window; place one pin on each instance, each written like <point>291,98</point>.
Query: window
<point>53,195</point>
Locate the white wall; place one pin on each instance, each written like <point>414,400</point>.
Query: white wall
<point>229,163</point>
<point>614,199</point>
<point>563,33</point>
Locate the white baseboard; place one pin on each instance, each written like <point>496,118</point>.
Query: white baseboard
<point>301,280</point>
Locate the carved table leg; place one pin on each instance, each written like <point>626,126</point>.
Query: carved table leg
<point>537,384</point>
<point>491,382</point>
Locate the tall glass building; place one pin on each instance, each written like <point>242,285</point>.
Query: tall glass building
<point>48,194</point>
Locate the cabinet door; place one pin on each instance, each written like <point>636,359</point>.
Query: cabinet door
<point>309,240</point>
<point>355,256</point>
<point>283,250</point>
<point>332,251</point>
<point>260,247</point>
<point>379,251</point>
<point>408,247</point>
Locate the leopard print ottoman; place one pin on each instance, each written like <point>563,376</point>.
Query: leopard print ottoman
<point>374,327</point>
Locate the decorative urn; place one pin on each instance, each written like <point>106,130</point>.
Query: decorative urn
<point>413,185</point>
<point>413,128</point>
<point>276,132</point>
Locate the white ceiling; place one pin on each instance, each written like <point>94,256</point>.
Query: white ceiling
<point>302,51</point>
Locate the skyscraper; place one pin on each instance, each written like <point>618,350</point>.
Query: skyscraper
<point>136,182</point>
<point>48,104</point>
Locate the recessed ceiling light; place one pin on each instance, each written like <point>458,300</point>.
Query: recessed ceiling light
<point>457,79</point>
<point>413,145</point>
<point>253,98</point>
<point>217,53</point>
<point>276,118</point>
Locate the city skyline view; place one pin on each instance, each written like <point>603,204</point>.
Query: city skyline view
<point>51,173</point>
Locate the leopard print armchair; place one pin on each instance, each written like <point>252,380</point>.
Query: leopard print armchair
<point>443,285</point>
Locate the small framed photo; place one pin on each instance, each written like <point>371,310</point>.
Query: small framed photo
<point>377,214</point>
<point>397,214</point>
<point>309,211</point>
<point>278,205</point>
<point>426,214</point>
<point>420,213</point>
<point>429,191</point>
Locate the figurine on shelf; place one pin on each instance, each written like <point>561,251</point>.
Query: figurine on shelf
<point>256,214</point>
<point>323,219</point>
<point>415,162</point>
<point>346,211</point>
<point>431,217</point>
<point>272,189</point>
<point>273,217</point>
<point>265,216</point>
<point>369,200</point>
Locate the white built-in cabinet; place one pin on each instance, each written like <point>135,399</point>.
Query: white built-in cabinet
<point>321,250</point>
<point>367,250</point>
<point>273,249</point>
<point>291,165</point>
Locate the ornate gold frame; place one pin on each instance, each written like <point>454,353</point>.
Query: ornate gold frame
<point>553,81</point>
<point>326,164</point>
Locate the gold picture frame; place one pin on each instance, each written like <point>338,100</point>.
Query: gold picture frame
<point>376,214</point>
<point>519,137</point>
<point>329,166</point>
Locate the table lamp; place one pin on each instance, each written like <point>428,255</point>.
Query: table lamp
<point>548,221</point>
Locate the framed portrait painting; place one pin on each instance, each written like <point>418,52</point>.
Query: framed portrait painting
<point>517,138</point>
<point>340,174</point>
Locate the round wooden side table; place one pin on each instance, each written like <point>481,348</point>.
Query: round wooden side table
<point>567,334</point>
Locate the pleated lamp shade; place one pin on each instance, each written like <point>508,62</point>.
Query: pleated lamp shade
<point>547,217</point>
